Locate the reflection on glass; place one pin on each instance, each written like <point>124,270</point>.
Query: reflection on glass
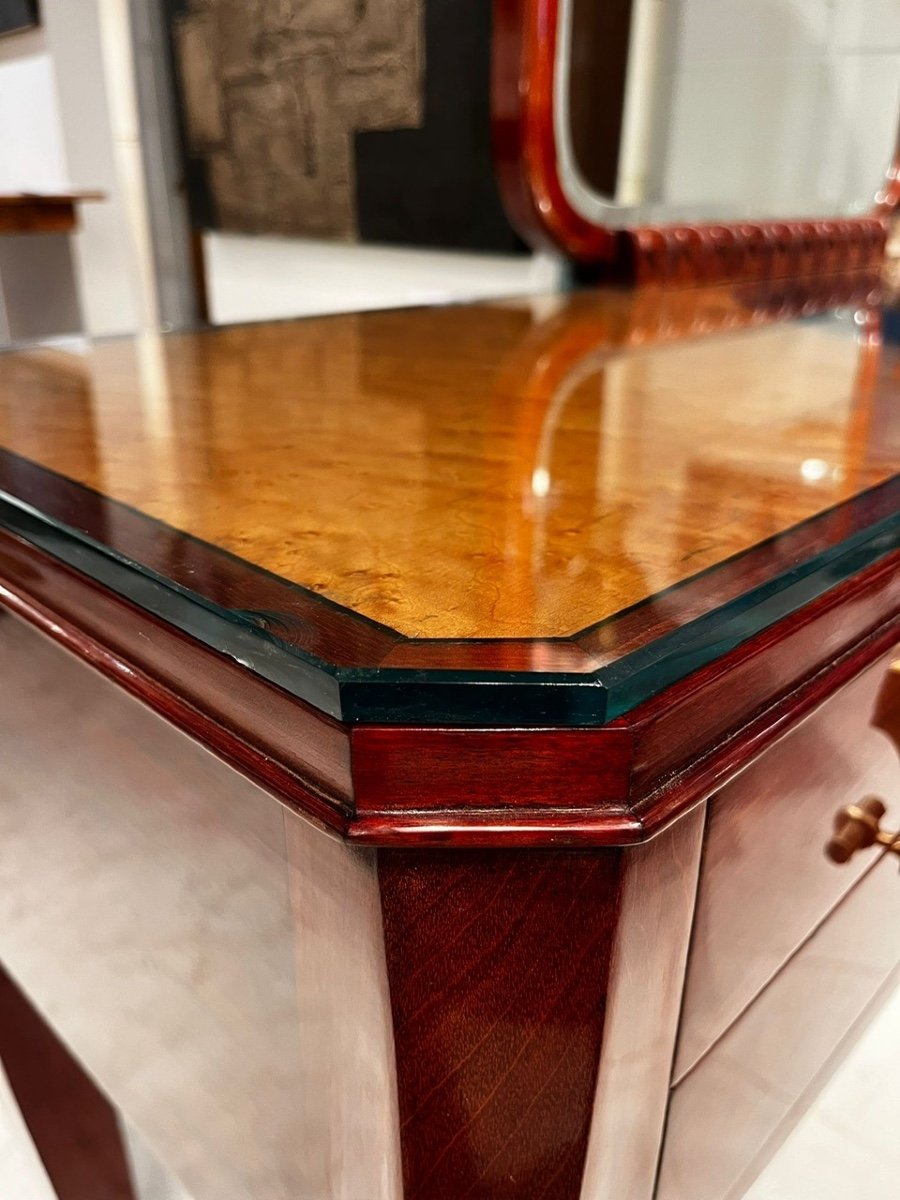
<point>471,473</point>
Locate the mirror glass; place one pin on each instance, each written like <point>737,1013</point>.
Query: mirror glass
<point>684,110</point>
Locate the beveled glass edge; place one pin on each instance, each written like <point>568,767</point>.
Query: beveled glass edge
<point>301,674</point>
<point>245,643</point>
<point>712,635</point>
<point>396,695</point>
<point>138,516</point>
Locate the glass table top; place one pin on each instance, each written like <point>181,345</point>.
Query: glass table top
<point>533,510</point>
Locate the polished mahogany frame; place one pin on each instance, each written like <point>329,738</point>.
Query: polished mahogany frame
<point>526,34</point>
<point>392,740</point>
<point>498,993</point>
<point>457,784</point>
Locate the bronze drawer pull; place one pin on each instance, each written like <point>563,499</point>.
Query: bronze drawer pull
<point>857,826</point>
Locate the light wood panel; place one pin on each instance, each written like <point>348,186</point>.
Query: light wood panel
<point>213,960</point>
<point>659,887</point>
<point>765,882</point>
<point>732,1111</point>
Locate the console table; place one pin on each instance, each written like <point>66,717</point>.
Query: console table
<point>422,730</point>
<point>38,291</point>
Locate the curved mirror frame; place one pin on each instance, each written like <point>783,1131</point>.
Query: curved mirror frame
<point>570,139</point>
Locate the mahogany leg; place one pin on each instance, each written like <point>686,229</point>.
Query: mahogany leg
<point>498,963</point>
<point>72,1124</point>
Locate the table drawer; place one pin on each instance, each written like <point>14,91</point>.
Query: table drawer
<point>730,1113</point>
<point>765,883</point>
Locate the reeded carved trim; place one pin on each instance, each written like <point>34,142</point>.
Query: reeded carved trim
<point>748,251</point>
<point>670,314</point>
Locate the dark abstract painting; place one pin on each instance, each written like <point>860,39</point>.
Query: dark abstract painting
<point>354,120</point>
<point>17,14</point>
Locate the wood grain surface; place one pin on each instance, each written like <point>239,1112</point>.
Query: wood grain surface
<point>498,967</point>
<point>425,470</point>
<point>535,1000</point>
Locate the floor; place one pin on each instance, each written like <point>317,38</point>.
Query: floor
<point>843,1149</point>
<point>845,1146</point>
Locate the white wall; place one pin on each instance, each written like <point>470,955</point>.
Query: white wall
<point>782,107</point>
<point>31,146</point>
<point>38,292</point>
<point>57,133</point>
<point>105,248</point>
<point>68,117</point>
<point>252,278</point>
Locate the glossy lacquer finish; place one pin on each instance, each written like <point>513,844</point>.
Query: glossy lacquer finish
<point>477,1001</point>
<point>498,991</point>
<point>378,511</point>
<point>518,1006</point>
<point>214,961</point>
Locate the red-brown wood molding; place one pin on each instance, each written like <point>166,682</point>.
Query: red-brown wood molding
<point>25,217</point>
<point>524,51</point>
<point>296,751</point>
<point>404,785</point>
<point>42,213</point>
<point>622,782</point>
<point>525,40</point>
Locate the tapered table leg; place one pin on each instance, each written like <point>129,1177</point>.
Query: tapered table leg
<point>72,1124</point>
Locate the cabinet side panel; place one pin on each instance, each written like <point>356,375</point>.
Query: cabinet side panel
<point>215,961</point>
